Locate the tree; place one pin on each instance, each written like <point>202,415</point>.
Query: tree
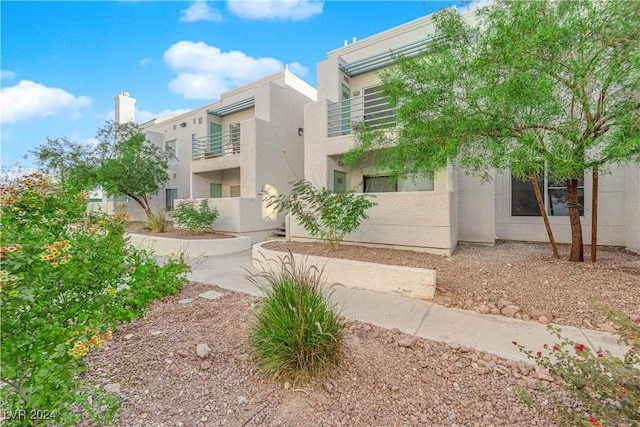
<point>325,215</point>
<point>123,161</point>
<point>532,87</point>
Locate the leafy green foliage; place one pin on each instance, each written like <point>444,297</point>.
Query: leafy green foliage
<point>194,216</point>
<point>326,216</point>
<point>534,84</point>
<point>66,282</point>
<point>123,161</point>
<point>605,384</point>
<point>297,334</point>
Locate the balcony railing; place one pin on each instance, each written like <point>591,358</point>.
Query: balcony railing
<point>371,108</point>
<point>220,144</point>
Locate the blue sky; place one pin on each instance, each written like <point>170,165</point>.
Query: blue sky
<point>63,62</point>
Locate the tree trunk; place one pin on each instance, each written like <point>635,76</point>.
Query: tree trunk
<point>543,212</point>
<point>144,204</point>
<point>577,250</point>
<point>594,215</point>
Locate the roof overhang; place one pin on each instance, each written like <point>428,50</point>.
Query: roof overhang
<point>383,59</point>
<point>234,107</point>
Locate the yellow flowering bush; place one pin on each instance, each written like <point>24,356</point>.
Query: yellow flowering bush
<point>66,281</point>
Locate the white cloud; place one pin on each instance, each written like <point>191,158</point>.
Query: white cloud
<point>29,99</point>
<point>262,10</point>
<point>7,75</point>
<point>298,69</point>
<point>204,71</point>
<point>200,11</point>
<point>146,62</point>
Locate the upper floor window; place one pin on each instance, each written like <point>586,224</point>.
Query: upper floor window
<point>234,138</point>
<point>377,111</point>
<point>172,147</point>
<point>524,203</point>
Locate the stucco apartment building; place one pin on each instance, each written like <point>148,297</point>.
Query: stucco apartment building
<point>436,211</point>
<point>232,151</point>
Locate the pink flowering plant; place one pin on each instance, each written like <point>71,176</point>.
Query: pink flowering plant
<point>607,386</point>
<point>66,281</point>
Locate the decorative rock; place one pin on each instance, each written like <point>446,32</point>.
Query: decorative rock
<point>483,309</point>
<point>210,295</point>
<point>634,317</point>
<point>510,310</point>
<point>287,385</point>
<point>186,301</point>
<point>156,333</point>
<point>202,350</point>
<point>486,357</point>
<point>112,388</point>
<point>518,316</point>
<point>242,400</point>
<point>495,311</point>
<point>543,319</point>
<point>543,373</point>
<point>128,337</point>
<point>607,327</point>
<point>407,342</point>
<point>525,316</point>
<point>535,314</point>
<point>502,303</point>
<point>182,353</point>
<point>205,365</point>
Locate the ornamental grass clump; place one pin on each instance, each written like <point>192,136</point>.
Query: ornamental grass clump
<point>297,333</point>
<point>607,386</point>
<point>197,217</point>
<point>156,222</point>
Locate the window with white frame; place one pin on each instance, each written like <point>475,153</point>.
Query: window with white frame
<point>378,113</point>
<point>524,203</point>
<point>404,182</point>
<point>172,148</point>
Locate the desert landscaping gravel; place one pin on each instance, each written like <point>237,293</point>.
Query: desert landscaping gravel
<point>518,275</point>
<point>189,363</point>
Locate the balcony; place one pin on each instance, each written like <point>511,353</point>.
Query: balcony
<point>220,144</point>
<point>371,108</point>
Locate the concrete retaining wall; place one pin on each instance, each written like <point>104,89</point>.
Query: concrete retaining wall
<point>191,248</point>
<point>411,282</point>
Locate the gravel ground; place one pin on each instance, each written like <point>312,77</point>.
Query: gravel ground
<point>170,231</point>
<point>488,279</point>
<point>387,378</point>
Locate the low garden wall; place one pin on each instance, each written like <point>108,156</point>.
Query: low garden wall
<point>190,247</point>
<point>412,282</point>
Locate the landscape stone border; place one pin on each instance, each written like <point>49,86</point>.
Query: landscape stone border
<point>407,281</point>
<point>163,246</point>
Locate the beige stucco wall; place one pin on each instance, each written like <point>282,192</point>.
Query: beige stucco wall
<point>475,209</point>
<point>617,211</point>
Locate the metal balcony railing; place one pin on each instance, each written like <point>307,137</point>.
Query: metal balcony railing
<point>225,143</point>
<point>371,108</point>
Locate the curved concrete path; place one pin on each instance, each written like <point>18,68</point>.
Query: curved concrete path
<point>487,333</point>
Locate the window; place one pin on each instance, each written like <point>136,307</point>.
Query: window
<point>524,203</point>
<point>215,190</point>
<point>199,120</point>
<point>234,139</point>
<point>121,198</point>
<point>377,111</point>
<point>172,147</point>
<point>385,184</point>
<point>171,194</point>
<point>234,191</point>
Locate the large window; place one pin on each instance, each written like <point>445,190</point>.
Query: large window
<point>172,147</point>
<point>377,112</point>
<point>524,203</point>
<point>385,184</point>
<point>234,139</point>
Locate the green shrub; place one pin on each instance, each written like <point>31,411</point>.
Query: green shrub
<point>65,284</point>
<point>296,334</point>
<point>609,387</point>
<point>194,216</point>
<point>325,215</point>
<point>156,222</point>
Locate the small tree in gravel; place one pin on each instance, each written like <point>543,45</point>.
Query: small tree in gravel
<point>297,334</point>
<point>195,216</point>
<point>326,216</point>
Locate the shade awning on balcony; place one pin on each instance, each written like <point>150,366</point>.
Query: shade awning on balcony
<point>233,108</point>
<point>383,59</point>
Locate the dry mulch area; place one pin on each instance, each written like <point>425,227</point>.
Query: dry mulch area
<point>171,232</point>
<point>515,274</point>
<point>387,378</point>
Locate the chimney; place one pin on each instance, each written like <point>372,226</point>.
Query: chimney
<point>125,108</point>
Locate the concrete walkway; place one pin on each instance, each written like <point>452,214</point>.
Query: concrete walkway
<point>488,333</point>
